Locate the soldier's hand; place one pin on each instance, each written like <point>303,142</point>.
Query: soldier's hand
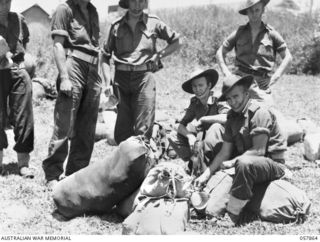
<point>66,86</point>
<point>203,179</point>
<point>191,140</point>
<point>153,62</point>
<point>108,91</point>
<point>228,164</point>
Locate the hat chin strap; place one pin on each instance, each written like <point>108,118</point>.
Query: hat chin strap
<point>202,96</point>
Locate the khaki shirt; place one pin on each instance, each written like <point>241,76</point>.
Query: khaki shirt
<point>240,128</point>
<point>136,47</point>
<point>69,21</point>
<point>258,56</point>
<point>16,34</point>
<point>197,110</point>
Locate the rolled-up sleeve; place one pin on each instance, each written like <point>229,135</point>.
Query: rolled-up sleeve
<point>166,33</point>
<point>261,123</point>
<point>230,42</point>
<point>109,44</point>
<point>278,42</point>
<point>60,22</point>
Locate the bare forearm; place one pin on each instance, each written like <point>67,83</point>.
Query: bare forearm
<point>61,59</point>
<point>221,157</point>
<point>183,130</point>
<point>170,48</point>
<point>221,59</point>
<point>287,58</point>
<point>105,69</point>
<point>219,118</point>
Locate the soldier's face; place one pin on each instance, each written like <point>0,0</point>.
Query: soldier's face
<point>255,12</point>
<point>237,98</point>
<point>136,6</point>
<point>5,5</point>
<point>200,87</point>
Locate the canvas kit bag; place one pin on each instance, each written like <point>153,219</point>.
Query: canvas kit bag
<point>103,184</point>
<point>279,202</point>
<point>163,207</point>
<point>218,188</point>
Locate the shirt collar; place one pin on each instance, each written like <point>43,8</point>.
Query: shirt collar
<point>143,18</point>
<point>251,106</point>
<point>263,26</point>
<point>211,99</point>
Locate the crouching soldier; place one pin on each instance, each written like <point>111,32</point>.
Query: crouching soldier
<point>253,133</point>
<point>210,116</point>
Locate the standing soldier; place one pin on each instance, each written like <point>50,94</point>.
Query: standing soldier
<point>256,45</point>
<point>75,33</point>
<point>132,41</point>
<point>15,87</point>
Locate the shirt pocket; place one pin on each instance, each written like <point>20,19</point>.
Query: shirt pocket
<point>79,33</point>
<point>243,46</point>
<point>243,140</point>
<point>123,41</point>
<point>266,49</point>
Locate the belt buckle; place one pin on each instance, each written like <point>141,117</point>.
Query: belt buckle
<point>131,67</point>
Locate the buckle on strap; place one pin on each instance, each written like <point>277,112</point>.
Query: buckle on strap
<point>83,56</point>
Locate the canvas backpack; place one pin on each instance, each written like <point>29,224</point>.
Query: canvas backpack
<point>163,202</point>
<point>279,202</point>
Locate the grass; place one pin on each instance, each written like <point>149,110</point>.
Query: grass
<point>26,205</point>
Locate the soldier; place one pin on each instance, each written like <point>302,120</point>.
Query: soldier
<point>209,114</point>
<point>252,135</point>
<point>256,45</point>
<point>15,87</point>
<point>132,43</point>
<point>75,33</point>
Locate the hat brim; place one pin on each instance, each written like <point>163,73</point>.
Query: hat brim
<point>243,11</point>
<point>211,74</point>
<point>243,81</point>
<point>124,4</point>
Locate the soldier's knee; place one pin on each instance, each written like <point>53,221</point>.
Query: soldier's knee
<point>244,163</point>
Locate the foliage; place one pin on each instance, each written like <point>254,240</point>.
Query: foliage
<point>40,46</point>
<point>205,28</point>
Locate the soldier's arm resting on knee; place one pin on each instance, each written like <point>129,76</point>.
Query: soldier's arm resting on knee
<point>211,119</point>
